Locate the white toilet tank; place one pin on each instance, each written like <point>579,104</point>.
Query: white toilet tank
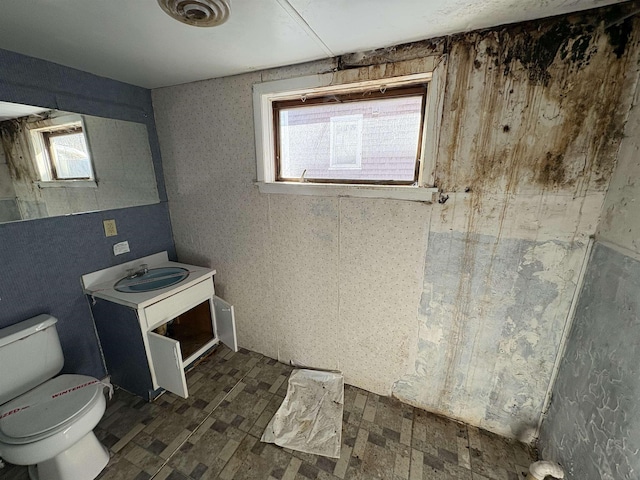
<point>30,354</point>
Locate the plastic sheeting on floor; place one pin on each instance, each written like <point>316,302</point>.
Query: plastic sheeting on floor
<point>310,417</point>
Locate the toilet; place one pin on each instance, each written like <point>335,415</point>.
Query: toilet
<point>47,422</point>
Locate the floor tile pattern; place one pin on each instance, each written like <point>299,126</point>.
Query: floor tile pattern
<point>215,434</point>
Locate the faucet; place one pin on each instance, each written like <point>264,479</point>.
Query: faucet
<point>142,269</point>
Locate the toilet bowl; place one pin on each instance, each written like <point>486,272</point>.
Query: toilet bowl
<point>50,426</point>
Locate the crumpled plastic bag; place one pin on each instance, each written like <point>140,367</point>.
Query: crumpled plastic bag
<point>310,417</point>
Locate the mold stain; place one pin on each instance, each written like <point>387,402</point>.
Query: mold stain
<point>619,33</point>
<point>10,132</point>
<point>557,90</point>
<point>15,144</point>
<point>537,54</point>
<point>580,50</point>
<point>552,171</point>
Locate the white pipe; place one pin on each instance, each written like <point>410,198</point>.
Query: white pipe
<point>543,469</point>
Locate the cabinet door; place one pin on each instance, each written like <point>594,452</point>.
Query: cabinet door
<point>225,323</point>
<point>167,364</point>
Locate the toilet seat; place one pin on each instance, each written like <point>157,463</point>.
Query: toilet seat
<point>48,408</point>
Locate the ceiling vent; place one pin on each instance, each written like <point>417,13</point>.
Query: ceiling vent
<point>199,13</point>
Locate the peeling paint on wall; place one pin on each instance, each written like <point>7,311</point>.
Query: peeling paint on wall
<point>490,320</point>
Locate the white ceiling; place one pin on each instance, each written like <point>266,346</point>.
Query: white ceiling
<point>136,42</point>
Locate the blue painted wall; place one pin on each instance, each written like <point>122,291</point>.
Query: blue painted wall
<point>41,261</point>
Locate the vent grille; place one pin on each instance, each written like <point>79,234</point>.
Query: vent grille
<point>199,13</point>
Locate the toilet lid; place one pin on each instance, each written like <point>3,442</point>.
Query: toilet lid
<point>48,405</point>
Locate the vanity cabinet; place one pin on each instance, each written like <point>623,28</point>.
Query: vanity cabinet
<point>149,339</point>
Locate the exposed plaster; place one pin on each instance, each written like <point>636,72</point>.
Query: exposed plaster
<point>592,425</point>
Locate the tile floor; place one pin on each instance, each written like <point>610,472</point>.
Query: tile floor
<point>215,434</point>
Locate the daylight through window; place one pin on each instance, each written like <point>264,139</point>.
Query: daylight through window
<point>363,137</point>
<point>68,153</point>
<point>62,153</point>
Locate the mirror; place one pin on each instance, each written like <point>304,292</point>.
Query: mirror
<point>61,163</point>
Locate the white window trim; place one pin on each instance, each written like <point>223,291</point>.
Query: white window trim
<point>67,183</point>
<point>264,94</point>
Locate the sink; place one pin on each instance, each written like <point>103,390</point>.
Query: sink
<point>154,279</point>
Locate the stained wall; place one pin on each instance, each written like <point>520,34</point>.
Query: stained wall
<point>457,307</point>
<point>534,146</point>
<point>8,205</point>
<point>593,425</point>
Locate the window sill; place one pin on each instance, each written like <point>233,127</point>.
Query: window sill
<point>68,184</point>
<point>392,192</point>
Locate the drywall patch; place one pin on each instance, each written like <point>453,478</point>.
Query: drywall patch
<point>490,319</point>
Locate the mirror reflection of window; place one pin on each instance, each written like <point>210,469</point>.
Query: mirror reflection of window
<point>61,148</point>
<point>67,152</point>
<point>54,163</point>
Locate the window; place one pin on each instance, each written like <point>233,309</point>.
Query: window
<point>363,139</point>
<point>61,151</point>
<point>68,154</point>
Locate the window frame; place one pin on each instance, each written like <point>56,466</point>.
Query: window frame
<point>352,96</point>
<point>431,70</point>
<point>67,129</point>
<point>44,157</point>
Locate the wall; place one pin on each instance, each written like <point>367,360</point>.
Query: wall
<point>593,425</point>
<point>457,307</point>
<point>42,260</point>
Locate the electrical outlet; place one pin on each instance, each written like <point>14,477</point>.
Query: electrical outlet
<point>110,229</point>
